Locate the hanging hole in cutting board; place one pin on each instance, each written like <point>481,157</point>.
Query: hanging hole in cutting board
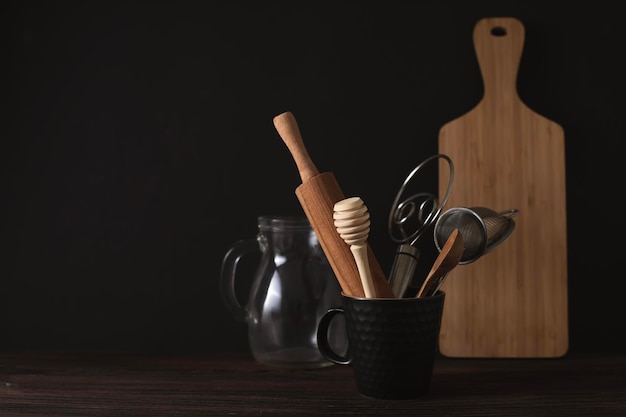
<point>498,31</point>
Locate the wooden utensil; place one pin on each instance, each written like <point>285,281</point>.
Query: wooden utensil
<point>447,259</point>
<point>317,195</point>
<point>513,302</point>
<point>352,221</point>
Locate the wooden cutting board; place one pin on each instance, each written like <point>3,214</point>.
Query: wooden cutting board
<point>511,302</point>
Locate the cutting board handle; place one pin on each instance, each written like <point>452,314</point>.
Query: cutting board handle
<point>498,42</point>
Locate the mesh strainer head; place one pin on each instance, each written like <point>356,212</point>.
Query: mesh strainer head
<point>482,229</point>
<point>499,225</point>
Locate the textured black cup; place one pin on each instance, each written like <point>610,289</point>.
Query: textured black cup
<point>392,343</point>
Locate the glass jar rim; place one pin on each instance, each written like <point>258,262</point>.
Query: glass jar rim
<point>283,222</point>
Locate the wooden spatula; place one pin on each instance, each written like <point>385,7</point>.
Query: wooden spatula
<point>447,260</point>
<point>513,301</point>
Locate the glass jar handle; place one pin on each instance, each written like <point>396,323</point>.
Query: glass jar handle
<point>227,277</point>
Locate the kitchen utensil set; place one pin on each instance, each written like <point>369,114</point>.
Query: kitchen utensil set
<point>342,226</point>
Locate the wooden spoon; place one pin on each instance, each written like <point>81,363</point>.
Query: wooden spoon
<point>447,259</point>
<point>352,221</point>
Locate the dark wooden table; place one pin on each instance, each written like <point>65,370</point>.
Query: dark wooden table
<point>133,384</point>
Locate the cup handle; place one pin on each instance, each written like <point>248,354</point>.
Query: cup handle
<point>322,338</point>
<point>227,276</point>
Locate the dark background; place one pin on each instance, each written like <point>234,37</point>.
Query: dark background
<point>138,145</point>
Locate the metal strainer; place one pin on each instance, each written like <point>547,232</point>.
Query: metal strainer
<point>482,229</point>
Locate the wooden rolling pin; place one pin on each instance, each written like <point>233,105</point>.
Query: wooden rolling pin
<point>317,195</point>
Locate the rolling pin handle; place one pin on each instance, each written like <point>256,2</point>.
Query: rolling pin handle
<point>287,127</point>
